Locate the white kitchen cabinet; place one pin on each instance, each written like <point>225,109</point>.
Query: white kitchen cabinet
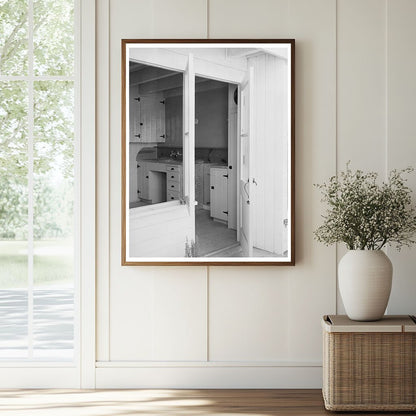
<point>133,186</point>
<point>174,182</point>
<point>159,182</point>
<point>152,118</point>
<point>134,114</point>
<point>142,180</point>
<point>219,193</point>
<point>147,117</point>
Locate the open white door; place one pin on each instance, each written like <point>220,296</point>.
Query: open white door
<point>189,139</point>
<point>246,164</point>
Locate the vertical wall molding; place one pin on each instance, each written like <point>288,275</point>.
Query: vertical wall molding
<point>103,180</point>
<point>208,22</point>
<point>88,203</point>
<point>336,143</point>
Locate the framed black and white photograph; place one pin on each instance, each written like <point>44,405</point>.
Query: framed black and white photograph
<point>208,152</point>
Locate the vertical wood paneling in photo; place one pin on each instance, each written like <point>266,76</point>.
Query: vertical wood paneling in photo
<point>165,232</point>
<point>270,152</point>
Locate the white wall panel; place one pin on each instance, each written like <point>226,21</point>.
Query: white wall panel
<point>401,144</point>
<point>138,326</point>
<point>311,282</point>
<point>159,316</point>
<point>361,84</point>
<point>355,86</point>
<point>248,314</point>
<point>248,19</point>
<point>159,18</point>
<point>361,89</point>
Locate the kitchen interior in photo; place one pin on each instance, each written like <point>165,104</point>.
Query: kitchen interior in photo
<point>221,154</point>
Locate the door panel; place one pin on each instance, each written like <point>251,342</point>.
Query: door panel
<point>189,140</point>
<point>246,164</point>
<point>219,191</point>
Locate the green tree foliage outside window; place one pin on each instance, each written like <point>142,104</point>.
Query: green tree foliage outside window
<point>53,119</point>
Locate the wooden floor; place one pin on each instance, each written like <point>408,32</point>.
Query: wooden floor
<point>164,402</point>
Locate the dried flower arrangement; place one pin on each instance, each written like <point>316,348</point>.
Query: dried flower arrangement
<point>366,215</point>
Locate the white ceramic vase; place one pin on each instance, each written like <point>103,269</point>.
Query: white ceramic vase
<point>364,278</point>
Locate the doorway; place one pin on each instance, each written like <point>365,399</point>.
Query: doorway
<point>215,168</point>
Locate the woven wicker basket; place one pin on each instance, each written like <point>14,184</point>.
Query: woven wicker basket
<point>369,366</point>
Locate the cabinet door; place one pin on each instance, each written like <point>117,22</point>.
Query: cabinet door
<point>219,189</point>
<point>146,192</point>
<point>134,114</point>
<point>142,181</point>
<point>133,185</point>
<point>152,119</point>
<point>199,183</point>
<point>206,184</point>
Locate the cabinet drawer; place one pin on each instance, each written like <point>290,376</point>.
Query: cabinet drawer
<point>172,195</point>
<point>173,176</point>
<point>173,186</point>
<point>172,168</point>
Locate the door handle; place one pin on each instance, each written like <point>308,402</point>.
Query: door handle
<point>245,188</point>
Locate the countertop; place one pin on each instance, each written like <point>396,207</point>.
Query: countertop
<point>179,162</point>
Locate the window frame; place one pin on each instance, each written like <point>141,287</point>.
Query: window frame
<point>81,371</point>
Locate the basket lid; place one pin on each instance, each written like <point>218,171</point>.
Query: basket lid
<point>389,323</point>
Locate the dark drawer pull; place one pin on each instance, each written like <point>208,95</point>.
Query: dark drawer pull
<point>172,186</point>
<point>147,177</point>
<point>172,177</point>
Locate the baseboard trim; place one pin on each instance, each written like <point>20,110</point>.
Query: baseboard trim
<point>210,377</point>
<point>39,378</point>
<point>204,364</point>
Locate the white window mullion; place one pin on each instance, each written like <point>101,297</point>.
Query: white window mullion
<point>77,178</point>
<point>30,179</point>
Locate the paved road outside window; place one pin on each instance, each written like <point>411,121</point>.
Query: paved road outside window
<point>53,324</point>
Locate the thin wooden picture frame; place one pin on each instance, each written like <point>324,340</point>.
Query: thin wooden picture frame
<point>150,53</point>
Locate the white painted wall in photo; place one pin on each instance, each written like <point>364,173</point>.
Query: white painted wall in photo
<point>349,33</point>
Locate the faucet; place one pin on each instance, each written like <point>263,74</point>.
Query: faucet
<point>174,154</point>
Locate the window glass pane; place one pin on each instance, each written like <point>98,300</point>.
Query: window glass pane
<point>13,219</point>
<point>53,196</point>
<point>53,37</point>
<point>13,37</point>
<point>13,325</point>
<point>53,319</point>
